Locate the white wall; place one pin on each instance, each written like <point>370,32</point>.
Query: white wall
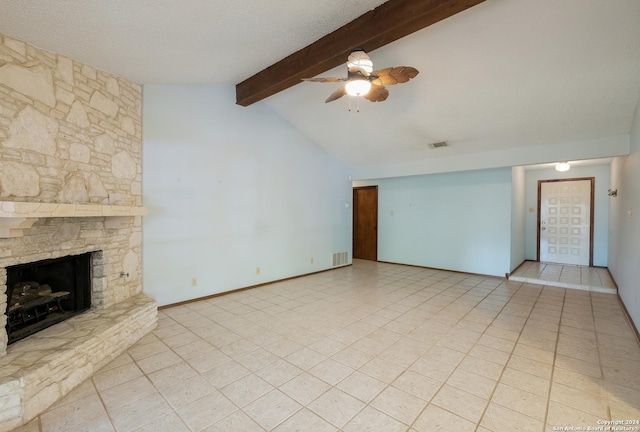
<point>601,206</point>
<point>518,216</point>
<point>453,221</point>
<point>624,239</point>
<point>230,189</point>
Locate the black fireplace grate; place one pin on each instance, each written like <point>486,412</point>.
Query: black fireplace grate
<point>43,293</point>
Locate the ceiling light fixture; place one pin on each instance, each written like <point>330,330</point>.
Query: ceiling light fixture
<point>359,61</point>
<point>563,166</point>
<point>358,87</point>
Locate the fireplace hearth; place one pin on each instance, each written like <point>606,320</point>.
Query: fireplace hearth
<point>44,293</point>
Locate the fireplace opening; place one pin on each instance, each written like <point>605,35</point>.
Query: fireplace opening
<point>43,293</point>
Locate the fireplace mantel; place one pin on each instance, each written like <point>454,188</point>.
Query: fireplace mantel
<point>15,216</point>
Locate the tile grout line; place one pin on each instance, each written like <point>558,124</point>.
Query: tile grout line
<point>448,376</point>
<point>510,355</point>
<point>103,404</point>
<point>368,404</point>
<point>601,367</point>
<point>477,424</point>
<point>553,365</point>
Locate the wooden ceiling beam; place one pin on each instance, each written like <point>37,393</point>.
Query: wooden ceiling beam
<point>385,24</point>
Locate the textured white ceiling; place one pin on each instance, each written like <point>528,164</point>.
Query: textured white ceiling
<point>177,41</point>
<point>504,74</point>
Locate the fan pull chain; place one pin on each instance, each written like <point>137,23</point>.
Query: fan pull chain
<point>357,103</point>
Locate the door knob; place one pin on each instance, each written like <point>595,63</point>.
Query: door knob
<point>542,229</point>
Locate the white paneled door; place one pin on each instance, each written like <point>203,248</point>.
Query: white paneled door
<point>565,221</point>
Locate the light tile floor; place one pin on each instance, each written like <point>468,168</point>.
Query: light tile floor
<point>370,347</point>
<point>566,276</point>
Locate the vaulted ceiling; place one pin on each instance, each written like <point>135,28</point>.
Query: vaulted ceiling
<point>503,75</point>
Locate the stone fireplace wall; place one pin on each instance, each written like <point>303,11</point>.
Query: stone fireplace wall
<point>70,134</point>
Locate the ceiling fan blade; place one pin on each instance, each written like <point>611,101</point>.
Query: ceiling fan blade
<point>394,75</point>
<point>336,94</point>
<point>327,79</point>
<point>378,93</point>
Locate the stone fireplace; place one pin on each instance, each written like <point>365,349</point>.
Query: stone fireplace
<point>70,184</point>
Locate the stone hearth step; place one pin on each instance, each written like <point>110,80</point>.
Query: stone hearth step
<point>39,370</point>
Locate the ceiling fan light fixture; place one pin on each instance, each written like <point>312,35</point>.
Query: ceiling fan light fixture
<point>363,81</point>
<point>359,61</point>
<point>358,87</point>
<point>563,166</point>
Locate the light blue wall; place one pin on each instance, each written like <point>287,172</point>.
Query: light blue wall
<point>601,206</point>
<point>624,240</point>
<point>230,189</point>
<point>455,221</point>
<point>518,216</point>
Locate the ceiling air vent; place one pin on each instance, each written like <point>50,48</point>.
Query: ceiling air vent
<point>438,145</point>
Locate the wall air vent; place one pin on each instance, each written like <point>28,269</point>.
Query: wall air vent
<point>438,145</point>
<point>340,259</point>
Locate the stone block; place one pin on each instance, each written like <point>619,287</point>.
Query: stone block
<point>40,402</point>
<point>34,82</point>
<point>128,125</point>
<point>104,144</point>
<point>65,96</point>
<point>123,166</point>
<point>103,104</point>
<point>31,130</point>
<point>112,86</point>
<point>18,179</point>
<point>64,70</point>
<point>78,115</point>
<point>16,45</point>
<point>76,377</point>
<point>10,393</point>
<point>89,72</point>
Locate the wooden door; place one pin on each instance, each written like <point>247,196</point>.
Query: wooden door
<point>565,228</point>
<point>365,223</point>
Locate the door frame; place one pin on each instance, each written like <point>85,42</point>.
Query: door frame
<point>353,220</point>
<point>591,212</point>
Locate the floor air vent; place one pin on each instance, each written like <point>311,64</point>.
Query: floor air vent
<point>340,259</point>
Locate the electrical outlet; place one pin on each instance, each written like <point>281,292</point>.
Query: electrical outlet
<point>194,281</point>
<point>311,260</point>
<point>257,270</point>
